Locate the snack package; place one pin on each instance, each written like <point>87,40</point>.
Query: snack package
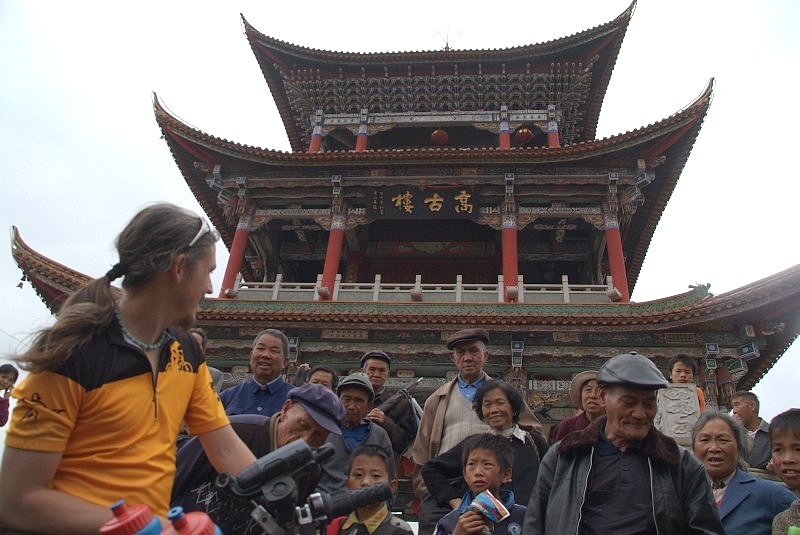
<point>489,507</point>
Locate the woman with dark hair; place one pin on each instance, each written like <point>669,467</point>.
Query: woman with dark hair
<point>498,404</point>
<point>111,382</point>
<point>746,504</point>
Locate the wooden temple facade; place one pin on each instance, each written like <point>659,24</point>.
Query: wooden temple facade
<point>432,191</point>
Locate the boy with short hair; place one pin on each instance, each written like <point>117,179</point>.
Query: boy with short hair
<point>8,376</point>
<point>784,433</point>
<point>682,369</point>
<point>486,467</point>
<point>369,465</point>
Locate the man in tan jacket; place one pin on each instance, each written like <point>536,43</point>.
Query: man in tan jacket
<point>448,417</point>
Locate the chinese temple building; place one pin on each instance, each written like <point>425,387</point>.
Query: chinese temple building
<point>426,192</point>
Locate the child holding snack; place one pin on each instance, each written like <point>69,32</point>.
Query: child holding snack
<point>487,466</point>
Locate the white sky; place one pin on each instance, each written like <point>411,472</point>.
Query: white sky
<point>81,151</point>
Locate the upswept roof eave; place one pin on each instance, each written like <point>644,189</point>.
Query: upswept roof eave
<point>164,119</point>
<point>276,87</point>
<point>52,281</point>
<point>595,101</point>
<point>269,50</point>
<point>554,46</point>
<point>698,109</point>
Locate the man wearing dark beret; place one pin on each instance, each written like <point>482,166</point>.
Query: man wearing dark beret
<point>620,474</point>
<point>448,418</point>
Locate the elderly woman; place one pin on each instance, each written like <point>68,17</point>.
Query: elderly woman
<point>498,404</point>
<point>747,504</point>
<point>585,395</point>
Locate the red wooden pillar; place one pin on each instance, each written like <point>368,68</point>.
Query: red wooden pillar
<point>361,140</point>
<point>316,140</point>
<point>616,260</point>
<point>505,135</point>
<point>508,236</point>
<point>505,132</point>
<point>236,256</point>
<point>333,256</point>
<point>553,141</point>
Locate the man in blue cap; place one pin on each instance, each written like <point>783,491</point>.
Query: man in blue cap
<point>620,474</point>
<point>310,413</point>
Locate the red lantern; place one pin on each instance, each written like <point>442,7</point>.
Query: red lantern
<point>524,135</point>
<point>439,137</point>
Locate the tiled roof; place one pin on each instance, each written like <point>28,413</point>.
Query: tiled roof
<point>598,47</point>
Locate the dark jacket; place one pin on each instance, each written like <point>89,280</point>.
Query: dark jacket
<point>399,421</point>
<point>195,488</point>
<point>761,451</point>
<point>443,474</point>
<point>565,427</point>
<point>509,526</point>
<point>334,468</point>
<point>681,494</point>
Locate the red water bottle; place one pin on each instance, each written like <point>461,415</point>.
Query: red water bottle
<point>194,523</point>
<point>136,520</point>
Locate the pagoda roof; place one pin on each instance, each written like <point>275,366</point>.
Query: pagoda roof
<point>665,144</point>
<point>53,282</point>
<point>572,72</point>
<point>771,306</point>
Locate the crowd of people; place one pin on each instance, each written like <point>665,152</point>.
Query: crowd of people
<point>119,402</point>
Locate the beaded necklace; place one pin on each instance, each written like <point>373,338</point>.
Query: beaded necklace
<point>146,347</point>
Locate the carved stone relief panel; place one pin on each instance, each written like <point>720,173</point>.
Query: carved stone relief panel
<point>678,410</point>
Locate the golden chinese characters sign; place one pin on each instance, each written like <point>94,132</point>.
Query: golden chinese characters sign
<point>445,202</point>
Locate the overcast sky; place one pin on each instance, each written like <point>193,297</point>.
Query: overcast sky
<point>82,152</point>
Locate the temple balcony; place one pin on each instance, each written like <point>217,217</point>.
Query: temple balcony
<point>458,292</point>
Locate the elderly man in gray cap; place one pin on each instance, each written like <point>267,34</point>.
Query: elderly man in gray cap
<point>448,417</point>
<point>620,474</point>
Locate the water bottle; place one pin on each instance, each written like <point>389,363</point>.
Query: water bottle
<point>194,523</point>
<point>136,520</point>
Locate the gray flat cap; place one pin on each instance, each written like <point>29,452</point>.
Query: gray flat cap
<point>631,370</point>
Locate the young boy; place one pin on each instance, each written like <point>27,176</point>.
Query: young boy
<point>784,433</point>
<point>487,466</point>
<point>682,369</point>
<point>8,376</point>
<point>369,465</point>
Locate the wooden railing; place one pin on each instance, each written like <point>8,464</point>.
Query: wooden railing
<point>460,292</point>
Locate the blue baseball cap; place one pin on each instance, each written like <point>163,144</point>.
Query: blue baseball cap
<point>321,404</point>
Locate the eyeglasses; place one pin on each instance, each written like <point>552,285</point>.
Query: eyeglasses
<point>204,229</point>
